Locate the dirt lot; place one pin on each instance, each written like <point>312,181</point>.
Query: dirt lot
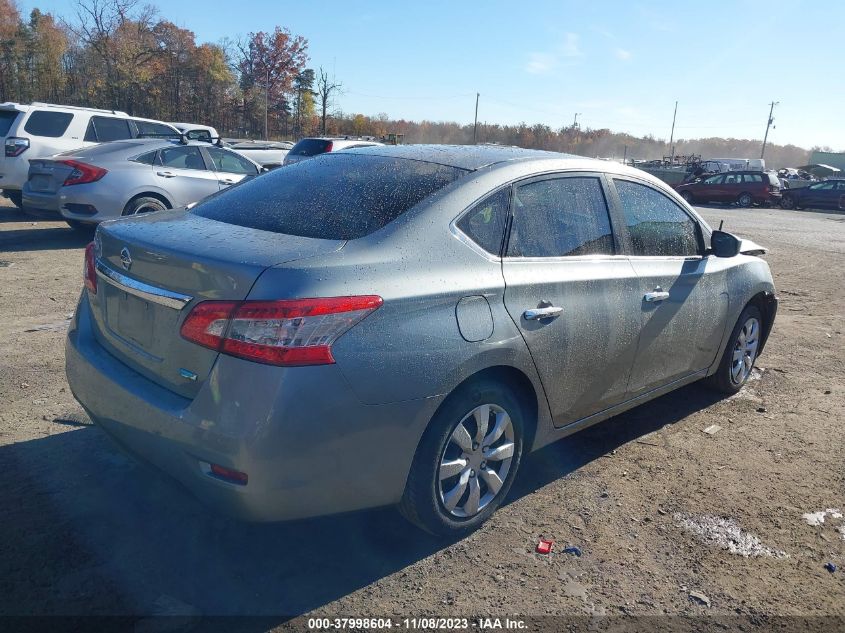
<point>85,530</point>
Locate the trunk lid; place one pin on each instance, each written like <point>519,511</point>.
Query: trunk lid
<point>153,270</point>
<point>47,176</point>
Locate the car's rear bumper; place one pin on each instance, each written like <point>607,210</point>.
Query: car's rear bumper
<point>307,444</point>
<point>40,201</point>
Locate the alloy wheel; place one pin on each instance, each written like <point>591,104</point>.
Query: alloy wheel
<point>745,351</point>
<point>476,460</point>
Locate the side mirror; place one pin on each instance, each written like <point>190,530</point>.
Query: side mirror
<point>724,244</point>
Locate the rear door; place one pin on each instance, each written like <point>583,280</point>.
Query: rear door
<point>682,298</point>
<point>229,166</point>
<point>730,188</point>
<point>573,297</point>
<point>183,172</point>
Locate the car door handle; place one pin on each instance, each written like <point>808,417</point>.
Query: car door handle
<point>166,174</point>
<point>542,313</point>
<point>656,295</point>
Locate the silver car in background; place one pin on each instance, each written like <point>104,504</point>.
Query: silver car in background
<point>401,325</point>
<point>121,178</point>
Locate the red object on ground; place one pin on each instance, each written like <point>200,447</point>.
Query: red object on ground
<point>544,546</point>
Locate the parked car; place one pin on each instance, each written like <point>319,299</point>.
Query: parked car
<point>38,130</point>
<point>828,194</point>
<point>268,154</point>
<point>743,187</point>
<point>195,132</point>
<point>89,185</point>
<point>310,147</point>
<point>401,325</point>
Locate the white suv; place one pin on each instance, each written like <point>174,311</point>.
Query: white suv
<point>39,130</point>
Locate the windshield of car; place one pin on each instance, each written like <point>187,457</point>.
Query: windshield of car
<point>334,196</point>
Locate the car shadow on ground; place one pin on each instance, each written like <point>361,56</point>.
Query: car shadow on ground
<point>89,531</point>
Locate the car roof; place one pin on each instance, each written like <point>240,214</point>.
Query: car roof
<point>470,157</point>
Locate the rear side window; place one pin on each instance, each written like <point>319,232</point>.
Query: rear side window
<point>45,123</point>
<point>752,178</point>
<point>310,147</point>
<point>484,224</point>
<point>657,225</point>
<point>7,117</point>
<point>102,129</point>
<point>335,196</point>
<point>147,159</point>
<point>560,217</point>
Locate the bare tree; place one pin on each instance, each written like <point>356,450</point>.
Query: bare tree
<point>325,88</point>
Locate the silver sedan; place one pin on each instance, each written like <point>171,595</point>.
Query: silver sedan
<point>401,325</point>
<point>123,178</point>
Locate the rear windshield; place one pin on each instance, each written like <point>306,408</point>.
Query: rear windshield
<point>334,196</point>
<point>773,180</point>
<point>309,147</point>
<point>99,150</point>
<point>7,117</point>
<point>44,123</point>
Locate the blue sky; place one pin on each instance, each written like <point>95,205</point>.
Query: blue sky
<point>621,65</point>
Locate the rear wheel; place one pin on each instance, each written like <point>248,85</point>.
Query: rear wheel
<point>740,353</point>
<point>745,200</point>
<point>686,195</point>
<point>787,202</point>
<point>144,204</point>
<point>466,461</point>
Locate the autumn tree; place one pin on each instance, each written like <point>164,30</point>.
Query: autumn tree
<point>268,65</point>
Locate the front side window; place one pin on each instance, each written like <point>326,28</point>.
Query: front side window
<point>658,227</point>
<point>182,158</point>
<point>148,129</point>
<point>230,162</point>
<point>714,180</point>
<point>46,123</point>
<point>560,217</point>
<point>484,224</point>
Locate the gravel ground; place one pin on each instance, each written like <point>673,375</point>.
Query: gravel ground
<point>669,519</point>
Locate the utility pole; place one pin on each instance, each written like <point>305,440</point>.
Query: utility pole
<point>575,122</point>
<point>672,135</point>
<point>475,127</point>
<point>266,104</point>
<point>768,125</point>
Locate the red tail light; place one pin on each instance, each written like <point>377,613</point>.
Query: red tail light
<point>82,173</point>
<point>290,332</point>
<point>89,272</point>
<point>329,146</point>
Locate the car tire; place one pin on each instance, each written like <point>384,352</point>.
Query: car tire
<point>787,202</point>
<point>688,197</point>
<point>15,196</point>
<point>739,356</point>
<point>745,200</point>
<point>81,227</point>
<point>144,204</point>
<point>460,502</point>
